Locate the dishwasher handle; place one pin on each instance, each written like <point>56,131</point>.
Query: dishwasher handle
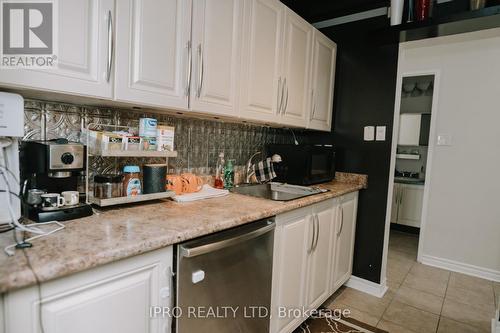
<point>189,252</point>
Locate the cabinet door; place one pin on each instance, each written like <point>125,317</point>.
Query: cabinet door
<point>323,78</point>
<point>112,298</point>
<point>344,233</point>
<point>296,70</point>
<point>82,53</point>
<point>409,129</point>
<point>293,238</point>
<point>319,259</point>
<point>216,56</point>
<point>2,320</point>
<point>395,203</point>
<point>261,84</point>
<point>410,209</point>
<point>151,52</point>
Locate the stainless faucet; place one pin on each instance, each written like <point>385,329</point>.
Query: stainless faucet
<point>249,173</point>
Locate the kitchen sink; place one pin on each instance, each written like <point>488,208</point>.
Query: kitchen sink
<point>277,191</point>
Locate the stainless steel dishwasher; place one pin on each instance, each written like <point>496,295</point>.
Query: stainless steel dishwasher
<point>224,280</point>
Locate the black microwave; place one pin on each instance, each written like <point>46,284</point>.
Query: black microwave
<point>303,164</point>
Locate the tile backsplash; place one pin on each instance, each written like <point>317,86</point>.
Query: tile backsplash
<point>198,142</point>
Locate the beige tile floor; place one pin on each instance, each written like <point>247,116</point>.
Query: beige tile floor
<point>422,298</point>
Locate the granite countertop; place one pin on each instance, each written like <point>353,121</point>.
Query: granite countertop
<point>126,231</point>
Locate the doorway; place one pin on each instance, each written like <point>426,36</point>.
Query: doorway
<point>409,168</point>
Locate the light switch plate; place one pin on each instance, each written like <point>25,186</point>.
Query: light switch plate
<point>369,133</point>
<point>444,139</point>
<point>380,133</point>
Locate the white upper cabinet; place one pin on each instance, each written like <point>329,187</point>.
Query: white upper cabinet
<point>85,40</point>
<point>297,61</point>
<point>261,84</point>
<point>254,60</point>
<point>152,55</point>
<point>323,79</point>
<point>216,46</point>
<point>409,129</point>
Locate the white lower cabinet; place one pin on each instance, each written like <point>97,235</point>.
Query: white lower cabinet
<point>112,298</point>
<point>320,256</point>
<point>310,246</point>
<point>407,204</point>
<point>343,240</point>
<point>292,242</point>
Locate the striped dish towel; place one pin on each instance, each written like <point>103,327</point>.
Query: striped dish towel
<point>264,170</point>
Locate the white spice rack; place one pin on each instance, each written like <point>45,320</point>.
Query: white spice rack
<point>94,151</point>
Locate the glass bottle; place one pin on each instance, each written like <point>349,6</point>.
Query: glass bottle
<point>229,175</point>
<point>219,172</point>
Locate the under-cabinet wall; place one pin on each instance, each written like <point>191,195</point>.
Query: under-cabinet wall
<point>198,142</point>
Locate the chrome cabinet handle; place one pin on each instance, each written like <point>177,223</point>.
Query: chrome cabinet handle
<point>280,111</point>
<point>200,70</point>
<point>278,102</point>
<point>189,65</point>
<point>317,233</point>
<point>111,46</point>
<point>285,87</point>
<point>311,248</point>
<point>341,220</point>
<point>313,105</point>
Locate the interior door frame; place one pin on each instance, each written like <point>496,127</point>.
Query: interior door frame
<point>430,152</point>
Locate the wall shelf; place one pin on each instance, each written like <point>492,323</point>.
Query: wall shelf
<point>451,24</point>
<point>408,156</point>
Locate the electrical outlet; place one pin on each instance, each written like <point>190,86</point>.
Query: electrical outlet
<point>444,140</point>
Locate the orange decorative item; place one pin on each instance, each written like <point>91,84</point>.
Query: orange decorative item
<point>175,183</point>
<point>191,183</point>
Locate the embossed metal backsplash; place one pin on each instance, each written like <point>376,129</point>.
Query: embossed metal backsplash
<point>198,142</point>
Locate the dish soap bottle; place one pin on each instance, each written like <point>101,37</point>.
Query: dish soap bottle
<point>219,172</point>
<point>229,175</point>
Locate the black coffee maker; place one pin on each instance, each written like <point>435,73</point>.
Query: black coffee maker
<point>49,168</point>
